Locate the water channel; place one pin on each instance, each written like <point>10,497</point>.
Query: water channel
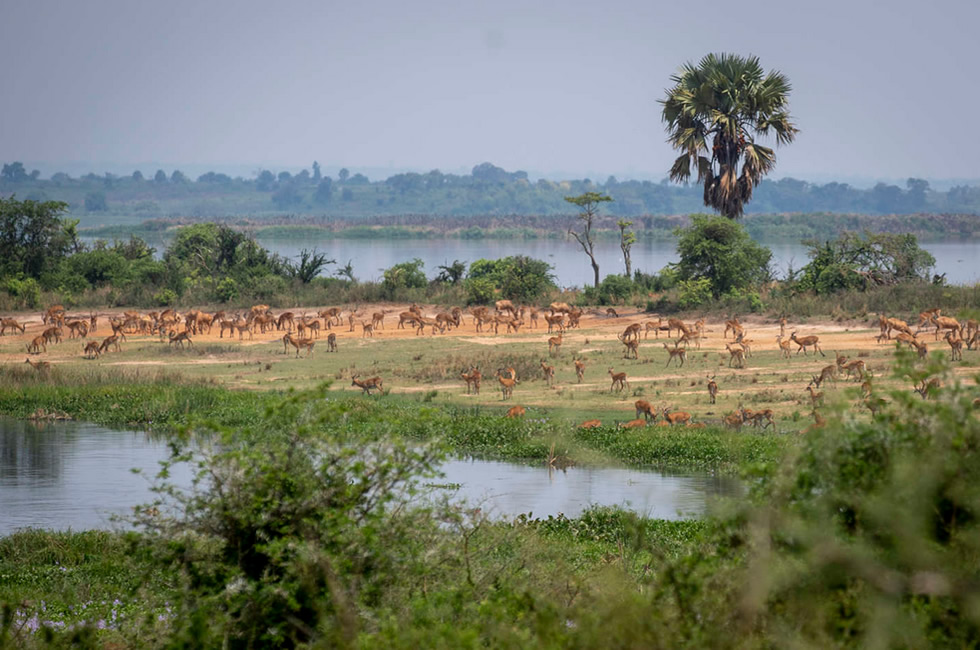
<point>61,475</point>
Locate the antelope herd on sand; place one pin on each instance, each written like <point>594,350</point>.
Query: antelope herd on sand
<point>301,333</point>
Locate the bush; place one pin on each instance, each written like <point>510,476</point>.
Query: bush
<point>26,291</point>
<point>227,290</point>
<point>268,286</point>
<point>615,289</point>
<point>721,251</point>
<point>694,293</point>
<point>479,291</point>
<point>165,298</point>
<point>407,275</point>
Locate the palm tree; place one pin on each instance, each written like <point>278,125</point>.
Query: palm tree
<point>714,112</point>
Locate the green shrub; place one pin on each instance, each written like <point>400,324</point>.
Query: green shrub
<point>165,298</point>
<point>227,290</point>
<point>479,291</point>
<point>615,289</point>
<point>27,291</point>
<point>694,293</point>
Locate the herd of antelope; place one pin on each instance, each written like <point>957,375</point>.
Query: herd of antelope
<point>301,332</point>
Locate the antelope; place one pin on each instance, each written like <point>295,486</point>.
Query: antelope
<point>554,345</point>
<point>555,321</point>
<point>618,378</point>
<point>944,323</point>
<point>782,326</point>
<point>331,342</point>
<point>10,323</point>
<point>815,397</point>
<point>573,318</point>
<point>313,325</point>
<point>784,347</point>
<point>242,327</point>
<point>732,325</point>
<point>351,319</point>
<point>734,420</point>
<point>515,412</point>
<point>806,342</point>
<point>421,323</point>
<point>77,328</point>
<point>93,323</point>
<point>40,366</point>
<point>110,341</point>
<point>559,307</point>
<point>378,319</point>
<point>506,305</point>
<point>579,370</point>
<point>925,317</point>
<point>687,337</point>
<point>676,324</point>
<point>612,312</point>
<point>927,389</point>
<point>631,332</point>
<point>828,372</point>
<point>91,349</point>
<point>37,344</point>
<point>632,346</point>
<point>712,389</point>
<point>181,338</point>
<point>907,339</point>
<point>533,317</point>
<point>472,379</point>
<point>506,384</point>
<point>590,424</point>
<point>675,352</point>
<point>549,373</point>
<point>645,409</point>
<point>680,417</point>
<point>632,424</point>
<point>367,329</point>
<point>656,326</point>
<point>367,384</point>
<point>921,347</point>
<point>955,347</point>
<point>898,325</point>
<point>857,366</point>
<point>331,315</point>
<point>406,317</point>
<point>737,354</point>
<point>52,333</point>
<point>289,339</point>
<point>52,313</point>
<point>758,416</point>
<point>971,327</point>
<point>744,342</point>
<point>285,320</point>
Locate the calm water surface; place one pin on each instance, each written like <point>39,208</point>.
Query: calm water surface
<point>62,475</point>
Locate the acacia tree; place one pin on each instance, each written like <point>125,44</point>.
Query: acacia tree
<point>589,205</point>
<point>626,241</point>
<point>714,113</point>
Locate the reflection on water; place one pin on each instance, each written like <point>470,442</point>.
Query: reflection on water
<point>958,260</point>
<point>60,475</point>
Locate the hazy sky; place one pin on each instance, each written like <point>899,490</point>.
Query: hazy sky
<point>565,88</point>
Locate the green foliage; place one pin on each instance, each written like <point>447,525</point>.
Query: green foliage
<point>693,293</point>
<point>615,289</point>
<point>310,265</point>
<point>480,291</point>
<point>407,275</point>
<point>853,261</point>
<point>720,251</point>
<point>95,202</point>
<point>33,237</point>
<point>452,273</point>
<point>27,291</point>
<point>516,278</point>
<point>227,290</point>
<point>165,298</point>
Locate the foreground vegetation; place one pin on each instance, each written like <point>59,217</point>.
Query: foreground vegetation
<point>865,533</point>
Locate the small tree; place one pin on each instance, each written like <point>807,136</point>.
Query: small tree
<point>626,241</point>
<point>310,264</point>
<point>720,250</point>
<point>589,204</point>
<point>452,273</point>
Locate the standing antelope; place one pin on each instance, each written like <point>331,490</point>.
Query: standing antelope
<point>289,339</point>
<point>37,344</point>
<point>181,338</point>
<point>632,347</point>
<point>955,347</point>
<point>549,372</point>
<point>367,384</point>
<point>506,384</point>
<point>712,389</point>
<point>110,341</point>
<point>557,320</point>
<point>38,365</point>
<point>367,329</point>
<point>944,323</point>
<point>828,372</point>
<point>733,326</point>
<point>676,324</point>
<point>675,353</point>
<point>331,342</point>
<point>618,378</point>
<point>91,349</point>
<point>554,345</point>
<point>806,342</point>
<point>815,397</point>
<point>472,379</point>
<point>737,354</point>
<point>784,346</point>
<point>378,319</point>
<point>579,370</point>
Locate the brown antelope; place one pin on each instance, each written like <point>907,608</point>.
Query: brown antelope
<point>421,323</point>
<point>732,326</point>
<point>579,370</point>
<point>815,397</point>
<point>506,384</point>
<point>806,342</point>
<point>734,420</point>
<point>590,424</point>
<point>618,378</point>
<point>93,323</point>
<point>40,366</point>
<point>645,409</point>
<point>632,347</point>
<point>675,353</point>
<point>378,319</point>
<point>289,339</point>
<point>745,343</point>
<point>631,332</point>
<point>352,319</point>
<point>857,366</point>
<point>91,349</point>
<point>37,344</point>
<point>736,355</point>
<point>680,417</point>
<point>688,337</point>
<point>944,323</point>
<point>406,317</point>
<point>331,316</point>
<point>112,341</point>
<point>77,328</point>
<point>331,342</point>
<point>712,389</point>
<point>927,389</point>
<point>10,323</point>
<point>898,325</point>
<point>367,329</point>
<point>559,307</point>
<point>925,317</point>
<point>828,372</point>
<point>612,312</point>
<point>52,313</point>
<point>955,347</point>
<point>368,384</point>
<point>285,321</point>
<point>52,333</point>
<point>970,328</point>
<point>907,339</point>
<point>632,424</point>
<point>554,345</point>
<point>516,412</point>
<point>472,379</point>
<point>656,326</point>
<point>784,346</point>
<point>314,326</point>
<point>782,326</point>
<point>549,373</point>
<point>557,320</point>
<point>533,317</point>
<point>180,339</point>
<point>506,305</point>
<point>757,418</point>
<point>676,324</point>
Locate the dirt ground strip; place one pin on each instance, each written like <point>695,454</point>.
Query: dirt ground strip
<point>431,363</point>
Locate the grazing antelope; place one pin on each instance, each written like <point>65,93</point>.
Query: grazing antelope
<point>549,373</point>
<point>618,378</point>
<point>645,409</point>
<point>736,355</point>
<point>590,424</point>
<point>680,417</point>
<point>784,346</point>
<point>406,317</point>
<point>920,346</point>
<point>314,326</point>
<point>556,320</point>
<point>925,317</point>
<point>516,412</point>
<point>52,313</point>
<point>472,379</point>
<point>828,372</point>
<point>907,339</point>
<point>612,312</point>
<point>289,339</point>
<point>506,384</point>
<point>506,305</point>
<point>554,345</point>
<point>927,389</point>
<point>677,324</point>
<point>675,353</point>
<point>421,323</point>
<point>745,343</point>
<point>112,341</point>
<point>285,321</point>
<point>52,333</point>
<point>632,347</point>
<point>898,325</point>
<point>631,332</point>
<point>37,344</point>
<point>331,342</point>
<point>91,349</point>
<point>806,342</point>
<point>181,338</point>
<point>955,347</point>
<point>579,370</point>
<point>632,424</point>
<point>40,366</point>
<point>10,323</point>
<point>77,328</point>
<point>712,389</point>
<point>368,384</point>
<point>945,323</point>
